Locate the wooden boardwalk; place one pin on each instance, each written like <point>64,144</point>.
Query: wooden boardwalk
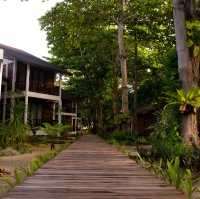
<point>92,169</point>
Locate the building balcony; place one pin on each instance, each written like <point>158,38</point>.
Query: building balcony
<point>39,88</point>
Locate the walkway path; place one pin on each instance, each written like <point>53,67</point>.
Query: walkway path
<point>92,169</point>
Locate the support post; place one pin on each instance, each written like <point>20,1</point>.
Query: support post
<point>54,111</point>
<point>5,96</point>
<point>4,103</point>
<point>13,88</point>
<point>60,100</point>
<point>26,94</point>
<point>1,73</point>
<point>1,68</point>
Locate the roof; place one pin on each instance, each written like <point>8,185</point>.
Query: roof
<point>20,55</point>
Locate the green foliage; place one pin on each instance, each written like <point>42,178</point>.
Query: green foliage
<point>193,29</point>
<point>158,80</point>
<point>122,136</point>
<point>165,139</point>
<point>19,176</point>
<point>174,172</point>
<point>171,171</point>
<point>54,130</point>
<point>14,133</point>
<point>187,183</point>
<point>179,177</point>
<point>82,36</point>
<point>187,101</point>
<point>9,180</point>
<point>121,118</point>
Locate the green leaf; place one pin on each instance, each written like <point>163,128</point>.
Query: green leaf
<point>196,51</point>
<point>189,43</point>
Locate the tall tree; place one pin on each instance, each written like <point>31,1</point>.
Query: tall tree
<point>188,61</point>
<point>122,55</point>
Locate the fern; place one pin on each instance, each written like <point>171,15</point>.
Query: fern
<point>185,99</point>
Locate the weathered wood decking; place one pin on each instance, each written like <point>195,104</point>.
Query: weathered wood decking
<point>92,169</point>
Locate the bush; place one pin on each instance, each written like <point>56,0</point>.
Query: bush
<point>166,141</point>
<point>123,137</point>
<point>54,130</point>
<point>181,178</point>
<point>14,133</point>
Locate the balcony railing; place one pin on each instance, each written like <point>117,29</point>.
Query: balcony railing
<point>39,122</point>
<point>68,108</point>
<point>39,88</point>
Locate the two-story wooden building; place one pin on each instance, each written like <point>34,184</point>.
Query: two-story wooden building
<point>24,77</point>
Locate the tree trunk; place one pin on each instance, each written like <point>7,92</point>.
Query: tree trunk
<point>114,91</point>
<point>135,89</point>
<point>123,60</point>
<point>186,67</point>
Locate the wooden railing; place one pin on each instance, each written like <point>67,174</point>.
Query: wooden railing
<point>39,88</point>
<point>39,122</point>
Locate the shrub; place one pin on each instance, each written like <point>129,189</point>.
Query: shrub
<point>54,130</point>
<point>166,141</point>
<point>174,173</point>
<point>19,176</point>
<point>123,137</point>
<point>14,133</point>
<point>179,177</point>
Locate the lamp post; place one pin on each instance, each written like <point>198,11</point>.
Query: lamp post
<point>1,68</point>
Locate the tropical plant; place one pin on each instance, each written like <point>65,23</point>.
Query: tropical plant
<point>165,139</point>
<point>188,101</point>
<point>124,137</point>
<point>14,132</point>
<point>181,178</point>
<point>174,173</point>
<point>187,184</point>
<point>54,130</point>
<point>19,176</point>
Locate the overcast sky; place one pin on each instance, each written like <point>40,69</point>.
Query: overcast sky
<point>19,26</point>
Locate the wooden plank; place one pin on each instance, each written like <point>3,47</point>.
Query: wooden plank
<point>92,169</point>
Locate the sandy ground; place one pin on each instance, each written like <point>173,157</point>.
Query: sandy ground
<point>9,163</point>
